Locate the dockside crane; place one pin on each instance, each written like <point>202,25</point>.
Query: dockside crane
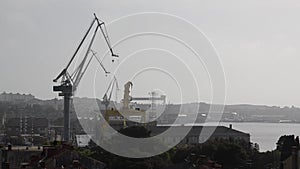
<point>108,94</point>
<point>70,81</point>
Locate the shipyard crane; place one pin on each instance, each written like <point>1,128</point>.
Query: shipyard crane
<point>70,81</point>
<point>107,95</point>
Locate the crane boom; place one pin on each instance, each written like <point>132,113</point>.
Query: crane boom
<point>102,26</point>
<point>75,53</point>
<point>80,72</point>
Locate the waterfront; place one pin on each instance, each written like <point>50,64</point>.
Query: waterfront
<point>266,134</point>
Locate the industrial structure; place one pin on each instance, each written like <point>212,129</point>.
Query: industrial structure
<point>130,113</point>
<point>70,81</point>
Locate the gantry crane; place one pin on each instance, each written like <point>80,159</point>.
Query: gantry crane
<point>70,81</point>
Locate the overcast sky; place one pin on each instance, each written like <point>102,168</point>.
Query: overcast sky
<point>257,40</point>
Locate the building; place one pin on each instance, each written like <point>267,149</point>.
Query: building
<point>83,140</point>
<point>289,147</point>
<point>11,97</point>
<point>199,134</point>
<point>51,156</point>
<point>291,162</point>
<point>26,126</point>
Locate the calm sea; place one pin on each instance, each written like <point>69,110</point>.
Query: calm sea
<point>266,134</point>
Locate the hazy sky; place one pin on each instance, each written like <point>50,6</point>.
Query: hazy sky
<point>258,42</point>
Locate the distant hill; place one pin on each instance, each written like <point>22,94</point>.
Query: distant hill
<point>16,105</point>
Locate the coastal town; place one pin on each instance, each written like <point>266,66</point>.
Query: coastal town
<point>32,137</point>
<point>149,84</point>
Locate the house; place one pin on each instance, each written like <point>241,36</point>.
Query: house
<point>289,147</point>
<point>199,134</point>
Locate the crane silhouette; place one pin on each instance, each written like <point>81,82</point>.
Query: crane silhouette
<point>70,81</point>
